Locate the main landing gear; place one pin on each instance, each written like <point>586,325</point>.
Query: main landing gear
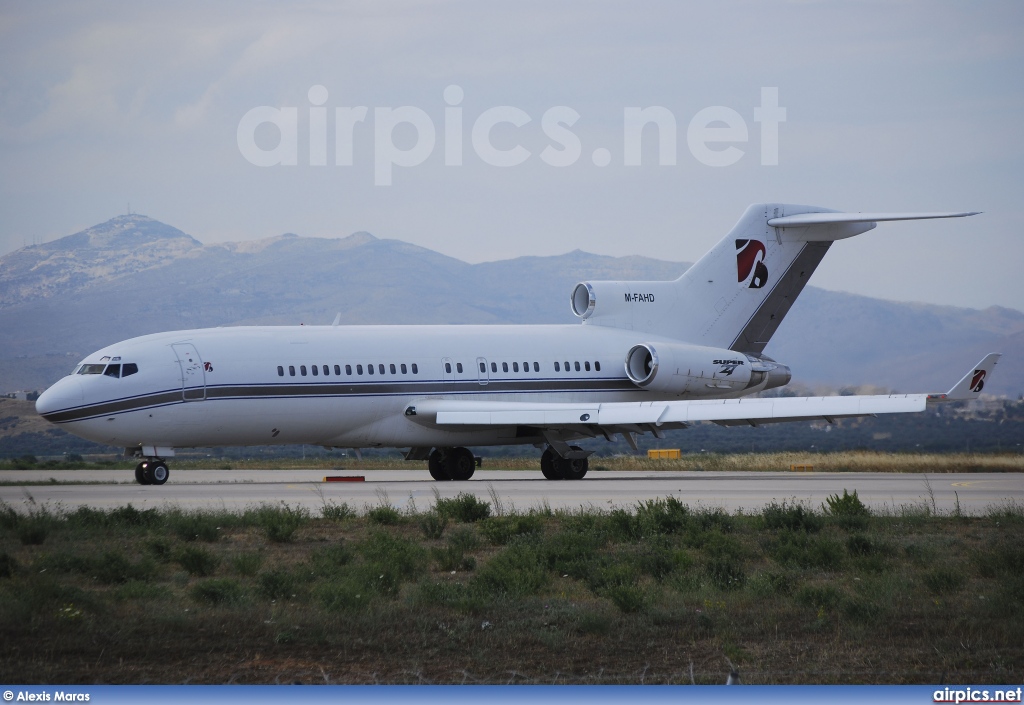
<point>152,472</point>
<point>451,464</point>
<point>556,467</point>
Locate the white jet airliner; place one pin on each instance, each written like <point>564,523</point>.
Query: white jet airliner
<point>649,356</point>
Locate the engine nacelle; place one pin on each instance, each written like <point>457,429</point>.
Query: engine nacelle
<point>697,371</point>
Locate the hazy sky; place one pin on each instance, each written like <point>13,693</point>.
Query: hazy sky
<point>914,105</point>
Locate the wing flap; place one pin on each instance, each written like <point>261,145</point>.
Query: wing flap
<point>656,414</point>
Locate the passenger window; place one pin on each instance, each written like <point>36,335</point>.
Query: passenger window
<point>316,370</point>
<point>504,367</point>
<point>337,370</point>
<point>515,366</point>
<point>381,367</point>
<point>130,368</point>
<point>369,369</point>
<point>393,371</point>
<point>112,371</point>
<point>91,369</point>
<point>586,366</point>
<point>327,370</point>
<point>577,365</point>
<point>280,371</point>
<point>415,370</point>
<point>291,370</point>
<point>483,368</point>
<point>526,367</point>
<point>536,367</point>
<point>302,370</point>
<point>458,367</point>
<point>566,365</point>
<point>359,369</point>
<point>494,367</point>
<point>556,366</point>
<point>405,370</point>
<point>597,365</point>
<point>448,367</point>
<point>348,369</point>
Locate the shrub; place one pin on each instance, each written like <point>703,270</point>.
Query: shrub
<point>276,584</point>
<point>197,561</point>
<point>248,563</point>
<point>406,558</point>
<point>464,507</point>
<point>384,515</point>
<point>452,558</point>
<point>344,595</point>
<point>847,505</point>
<point>516,571</point>
<point>193,526</point>
<point>500,530</point>
<point>280,523</point>
<point>218,591</point>
<point>794,517</point>
<point>659,559</point>
<point>33,530</point>
<point>628,598</point>
<point>770,583</point>
<point>797,548</point>
<point>1003,557</point>
<point>113,567</point>
<point>337,512</point>
<point>139,590</point>
<point>160,549</point>
<point>725,572</point>
<point>662,516</point>
<point>819,596</point>
<point>329,560</point>
<point>8,565</point>
<point>433,525</point>
<point>944,579</point>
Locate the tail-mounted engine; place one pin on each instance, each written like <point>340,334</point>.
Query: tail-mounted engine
<point>696,371</point>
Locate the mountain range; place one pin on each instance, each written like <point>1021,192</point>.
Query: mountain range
<point>134,275</point>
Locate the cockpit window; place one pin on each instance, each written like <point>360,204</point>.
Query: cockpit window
<point>91,369</point>
<point>129,368</point>
<point>113,371</point>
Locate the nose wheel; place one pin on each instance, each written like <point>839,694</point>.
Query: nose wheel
<point>152,472</point>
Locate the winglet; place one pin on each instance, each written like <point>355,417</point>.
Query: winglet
<point>972,383</point>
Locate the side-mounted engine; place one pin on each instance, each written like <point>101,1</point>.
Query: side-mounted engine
<point>696,371</point>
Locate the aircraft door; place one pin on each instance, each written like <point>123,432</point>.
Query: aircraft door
<point>483,376</point>
<point>193,376</point>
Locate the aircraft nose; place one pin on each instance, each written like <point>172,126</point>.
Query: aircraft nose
<point>67,392</point>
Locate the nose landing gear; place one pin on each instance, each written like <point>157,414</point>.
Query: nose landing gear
<point>152,472</point>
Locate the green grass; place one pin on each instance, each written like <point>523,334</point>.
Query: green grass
<point>790,594</point>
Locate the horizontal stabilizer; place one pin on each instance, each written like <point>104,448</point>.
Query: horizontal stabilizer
<point>805,219</point>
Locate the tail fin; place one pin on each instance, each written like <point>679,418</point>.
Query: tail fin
<point>737,294</point>
<point>746,285</point>
<point>973,382</point>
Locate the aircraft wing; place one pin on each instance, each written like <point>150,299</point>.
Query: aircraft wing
<point>639,417</point>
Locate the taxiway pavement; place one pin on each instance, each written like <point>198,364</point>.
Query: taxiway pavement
<point>523,490</point>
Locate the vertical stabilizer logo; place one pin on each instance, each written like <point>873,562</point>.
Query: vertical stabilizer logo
<point>978,381</point>
<point>751,271</point>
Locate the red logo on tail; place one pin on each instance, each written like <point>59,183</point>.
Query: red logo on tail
<point>978,381</point>
<point>750,268</point>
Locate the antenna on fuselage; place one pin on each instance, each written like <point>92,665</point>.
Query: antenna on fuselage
<point>337,319</point>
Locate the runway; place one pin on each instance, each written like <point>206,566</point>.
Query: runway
<point>522,490</point>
